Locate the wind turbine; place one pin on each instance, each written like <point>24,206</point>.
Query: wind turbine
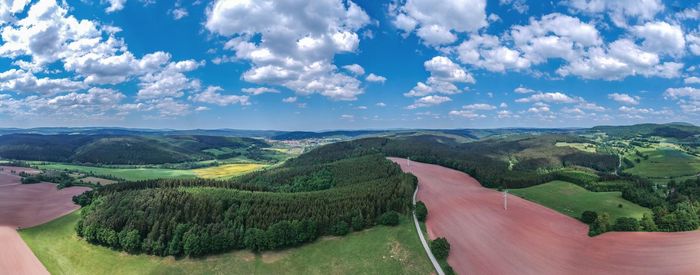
<point>505,199</point>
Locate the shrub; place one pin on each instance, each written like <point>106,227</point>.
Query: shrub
<point>390,218</point>
<point>340,229</point>
<point>626,224</point>
<point>421,211</point>
<point>588,217</point>
<point>440,248</point>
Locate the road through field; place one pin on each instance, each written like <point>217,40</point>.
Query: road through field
<point>531,239</point>
<point>26,205</point>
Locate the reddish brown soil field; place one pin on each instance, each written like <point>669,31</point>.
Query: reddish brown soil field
<point>531,239</point>
<point>26,205</point>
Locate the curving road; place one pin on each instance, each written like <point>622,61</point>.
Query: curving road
<point>531,239</point>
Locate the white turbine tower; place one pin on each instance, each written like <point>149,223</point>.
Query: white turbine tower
<point>505,199</point>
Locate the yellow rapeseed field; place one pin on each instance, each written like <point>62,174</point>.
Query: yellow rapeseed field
<point>227,170</point>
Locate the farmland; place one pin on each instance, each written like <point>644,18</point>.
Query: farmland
<point>123,173</point>
<point>664,162</point>
<point>378,250</point>
<point>227,170</point>
<point>572,200</point>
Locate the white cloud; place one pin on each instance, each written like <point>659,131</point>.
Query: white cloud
<point>179,13</point>
<point>443,74</point>
<point>692,80</point>
<point>297,42</point>
<point>555,97</point>
<point>347,117</point>
<point>380,104</point>
<point>437,24</point>
<point>624,99</point>
<point>355,69</point>
<point>518,5</point>
<point>212,95</point>
<point>259,90</point>
<point>8,9</point>
<point>479,107</point>
<point>21,81</point>
<point>523,90</point>
<point>661,37</point>
<point>375,78</point>
<point>170,81</point>
<point>115,5</point>
<point>428,101</point>
<point>619,11</point>
<point>290,99</point>
<point>466,114</point>
<point>689,92</point>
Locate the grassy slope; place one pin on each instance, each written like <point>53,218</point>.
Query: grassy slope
<point>379,250</point>
<point>125,173</point>
<point>665,163</point>
<point>572,200</point>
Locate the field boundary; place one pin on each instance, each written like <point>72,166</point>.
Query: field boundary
<point>434,261</point>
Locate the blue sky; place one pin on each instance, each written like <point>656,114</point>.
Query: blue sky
<point>333,64</point>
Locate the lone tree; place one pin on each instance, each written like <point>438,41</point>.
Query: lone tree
<point>440,248</point>
<point>421,211</point>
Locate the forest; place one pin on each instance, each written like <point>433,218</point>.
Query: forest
<point>121,149</point>
<point>276,208</point>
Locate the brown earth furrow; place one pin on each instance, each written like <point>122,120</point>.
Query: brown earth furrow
<point>531,239</point>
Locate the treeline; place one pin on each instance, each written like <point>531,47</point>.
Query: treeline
<point>484,160</point>
<point>127,149</point>
<point>197,217</point>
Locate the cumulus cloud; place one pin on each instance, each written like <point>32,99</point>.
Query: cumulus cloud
<point>624,99</point>
<point>692,80</point>
<point>298,40</point>
<point>479,107</point>
<point>443,75</point>
<point>20,81</point>
<point>619,11</point>
<point>115,5</point>
<point>428,101</point>
<point>661,37</point>
<point>259,90</point>
<point>355,69</point>
<point>375,78</point>
<point>555,97</point>
<point>213,95</point>
<point>439,24</point>
<point>290,99</point>
<point>179,13</point>
<point>523,90</point>
<point>466,114</point>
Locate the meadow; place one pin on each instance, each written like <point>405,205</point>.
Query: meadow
<point>572,200</point>
<point>378,250</point>
<point>141,173</point>
<point>664,163</point>
<point>131,174</point>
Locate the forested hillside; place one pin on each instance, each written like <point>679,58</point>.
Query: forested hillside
<point>281,207</point>
<point>110,149</point>
<point>514,161</point>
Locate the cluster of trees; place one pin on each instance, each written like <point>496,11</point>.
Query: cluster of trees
<point>197,217</point>
<point>62,179</point>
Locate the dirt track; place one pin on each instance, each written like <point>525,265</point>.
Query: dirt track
<point>531,239</point>
<point>26,205</point>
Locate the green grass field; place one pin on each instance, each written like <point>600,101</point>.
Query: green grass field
<point>124,173</point>
<point>572,200</point>
<point>665,163</point>
<point>378,250</point>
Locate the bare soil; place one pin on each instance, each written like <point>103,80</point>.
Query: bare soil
<point>27,205</point>
<point>532,239</point>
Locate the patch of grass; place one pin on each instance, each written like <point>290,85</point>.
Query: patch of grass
<point>586,147</point>
<point>572,200</point>
<point>665,163</point>
<point>124,173</point>
<point>378,250</point>
<point>227,170</point>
